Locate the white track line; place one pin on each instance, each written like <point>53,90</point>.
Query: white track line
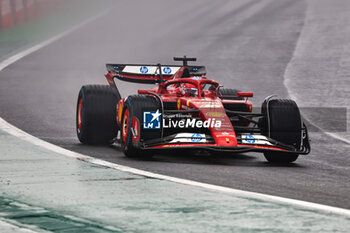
<point>293,96</point>
<point>38,142</point>
<point>333,135</point>
<point>7,127</point>
<point>41,45</point>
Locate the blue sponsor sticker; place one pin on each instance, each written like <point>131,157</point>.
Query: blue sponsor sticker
<point>197,78</point>
<point>144,69</point>
<point>151,120</point>
<point>196,137</point>
<point>116,69</point>
<point>167,70</point>
<point>250,139</point>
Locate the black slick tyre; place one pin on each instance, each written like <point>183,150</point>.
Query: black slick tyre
<point>132,132</point>
<point>96,114</point>
<point>283,123</point>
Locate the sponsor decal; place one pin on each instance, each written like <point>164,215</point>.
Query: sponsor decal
<point>189,138</point>
<point>167,70</point>
<point>143,69</point>
<point>225,134</point>
<point>116,69</point>
<point>178,104</point>
<point>120,111</point>
<point>197,78</point>
<point>255,139</point>
<point>207,104</point>
<point>210,105</point>
<point>151,69</point>
<point>215,114</point>
<point>197,137</point>
<point>249,139</point>
<point>151,120</point>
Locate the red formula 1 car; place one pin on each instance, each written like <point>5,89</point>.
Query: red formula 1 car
<point>187,111</point>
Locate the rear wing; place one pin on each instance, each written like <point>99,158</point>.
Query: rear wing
<point>151,74</point>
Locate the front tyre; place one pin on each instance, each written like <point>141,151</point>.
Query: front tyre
<point>96,114</point>
<point>132,131</point>
<point>282,122</point>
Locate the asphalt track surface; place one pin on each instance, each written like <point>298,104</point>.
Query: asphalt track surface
<point>244,44</point>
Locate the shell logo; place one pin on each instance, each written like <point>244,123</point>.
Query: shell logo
<point>215,114</point>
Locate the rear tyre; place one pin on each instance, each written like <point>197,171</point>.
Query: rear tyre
<point>230,94</point>
<point>282,122</point>
<point>132,130</point>
<point>96,114</point>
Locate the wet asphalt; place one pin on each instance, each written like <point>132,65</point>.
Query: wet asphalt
<point>244,44</point>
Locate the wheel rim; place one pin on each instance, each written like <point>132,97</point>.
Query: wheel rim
<point>125,126</point>
<point>80,114</point>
